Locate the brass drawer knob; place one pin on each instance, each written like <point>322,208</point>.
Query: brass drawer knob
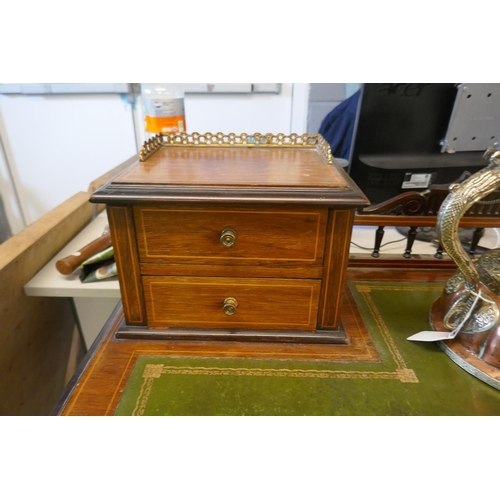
<point>230,305</point>
<point>228,237</point>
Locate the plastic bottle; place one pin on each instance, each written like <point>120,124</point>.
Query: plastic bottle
<point>163,108</point>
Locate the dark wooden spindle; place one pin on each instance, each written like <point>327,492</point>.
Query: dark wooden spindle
<point>379,235</point>
<point>439,251</point>
<point>476,236</point>
<point>410,239</point>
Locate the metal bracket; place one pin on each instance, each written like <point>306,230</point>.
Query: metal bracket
<point>475,120</point>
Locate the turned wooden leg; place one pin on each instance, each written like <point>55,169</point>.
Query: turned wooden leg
<point>379,235</point>
<point>439,251</point>
<point>410,239</point>
<point>476,236</point>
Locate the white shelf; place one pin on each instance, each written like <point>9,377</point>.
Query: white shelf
<point>49,282</point>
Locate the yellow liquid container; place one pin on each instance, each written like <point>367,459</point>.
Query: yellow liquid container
<point>165,124</point>
<point>163,108</point>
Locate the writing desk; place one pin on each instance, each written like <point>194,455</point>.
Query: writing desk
<point>94,302</point>
<point>378,372</point>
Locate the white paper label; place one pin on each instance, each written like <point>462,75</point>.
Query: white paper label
<point>430,336</point>
<point>416,181</point>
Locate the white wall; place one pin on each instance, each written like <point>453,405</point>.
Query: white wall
<point>240,112</point>
<point>285,112</point>
<point>11,215</point>
<point>55,145</point>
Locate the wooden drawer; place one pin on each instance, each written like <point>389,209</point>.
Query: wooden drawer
<point>274,304</point>
<point>257,236</point>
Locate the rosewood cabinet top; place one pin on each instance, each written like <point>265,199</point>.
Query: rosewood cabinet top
<point>229,168</point>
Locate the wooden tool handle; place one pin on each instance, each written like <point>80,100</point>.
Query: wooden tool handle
<point>71,262</point>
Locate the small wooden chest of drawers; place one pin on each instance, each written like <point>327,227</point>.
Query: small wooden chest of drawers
<point>232,237</point>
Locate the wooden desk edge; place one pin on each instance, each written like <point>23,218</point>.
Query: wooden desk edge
<point>109,328</point>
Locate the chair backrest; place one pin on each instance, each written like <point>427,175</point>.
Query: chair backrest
<point>417,210</point>
<point>428,203</point>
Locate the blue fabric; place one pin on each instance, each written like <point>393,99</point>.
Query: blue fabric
<point>338,126</point>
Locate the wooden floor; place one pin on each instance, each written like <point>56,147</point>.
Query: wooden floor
<point>97,385</point>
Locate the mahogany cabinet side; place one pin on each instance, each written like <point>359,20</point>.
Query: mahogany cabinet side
<point>335,266</point>
<point>121,223</point>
